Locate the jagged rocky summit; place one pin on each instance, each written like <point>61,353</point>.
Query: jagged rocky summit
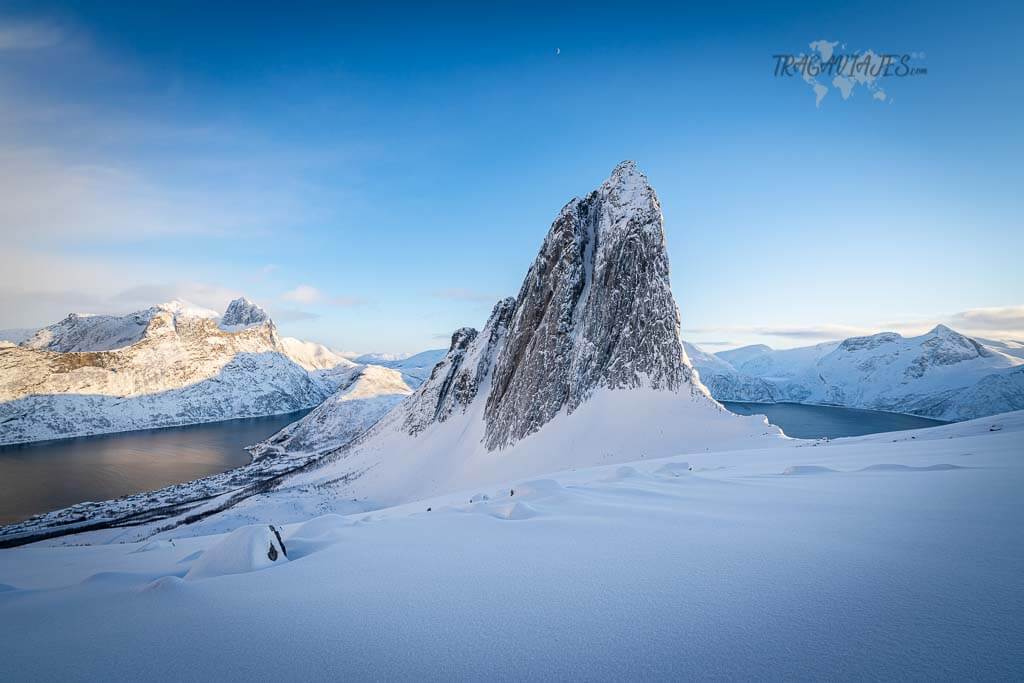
<point>242,313</point>
<point>584,365</point>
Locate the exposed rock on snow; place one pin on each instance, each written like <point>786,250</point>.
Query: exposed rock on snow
<point>595,310</point>
<point>242,313</point>
<point>246,549</point>
<point>942,374</point>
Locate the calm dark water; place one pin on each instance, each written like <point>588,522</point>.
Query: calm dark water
<point>816,422</point>
<point>50,475</point>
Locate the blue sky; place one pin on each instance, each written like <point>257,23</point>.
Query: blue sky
<point>378,176</point>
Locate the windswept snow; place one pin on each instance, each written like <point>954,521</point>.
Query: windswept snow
<point>889,557</point>
<point>246,549</point>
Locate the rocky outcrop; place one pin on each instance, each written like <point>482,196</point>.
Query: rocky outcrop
<point>595,310</point>
<point>456,380</point>
<point>242,313</point>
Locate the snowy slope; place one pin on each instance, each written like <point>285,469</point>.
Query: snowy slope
<point>942,374</point>
<point>366,396</point>
<point>891,557</point>
<point>1008,346</point>
<point>415,368</point>
<point>314,356</point>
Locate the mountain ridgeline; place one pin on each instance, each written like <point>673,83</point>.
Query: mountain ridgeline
<point>941,374</point>
<point>171,364</point>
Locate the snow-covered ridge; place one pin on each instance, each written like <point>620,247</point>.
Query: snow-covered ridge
<point>941,374</point>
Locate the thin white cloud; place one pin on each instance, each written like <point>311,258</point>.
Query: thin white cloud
<point>43,197</point>
<point>308,294</point>
<point>346,301</point>
<point>202,294</point>
<point>303,294</point>
<point>994,319</point>
<point>39,287</point>
<point>291,315</point>
<point>21,35</point>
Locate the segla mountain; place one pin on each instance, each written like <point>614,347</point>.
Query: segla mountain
<point>171,364</point>
<point>584,366</point>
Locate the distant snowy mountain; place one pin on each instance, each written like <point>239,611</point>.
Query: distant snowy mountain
<point>584,366</point>
<point>171,364</point>
<point>942,374</point>
<point>314,356</point>
<point>379,358</point>
<point>415,368</point>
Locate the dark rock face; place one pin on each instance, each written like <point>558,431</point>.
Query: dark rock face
<point>273,550</point>
<point>456,379</point>
<point>595,310</point>
<point>241,311</point>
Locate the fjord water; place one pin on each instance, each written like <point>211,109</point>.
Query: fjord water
<point>49,475</point>
<point>816,422</point>
<point>46,476</point>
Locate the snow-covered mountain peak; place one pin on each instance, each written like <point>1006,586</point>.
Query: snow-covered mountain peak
<point>242,313</point>
<point>595,310</point>
<point>627,175</point>
<point>591,339</point>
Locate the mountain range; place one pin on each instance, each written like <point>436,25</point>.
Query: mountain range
<point>941,374</point>
<point>171,364</point>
